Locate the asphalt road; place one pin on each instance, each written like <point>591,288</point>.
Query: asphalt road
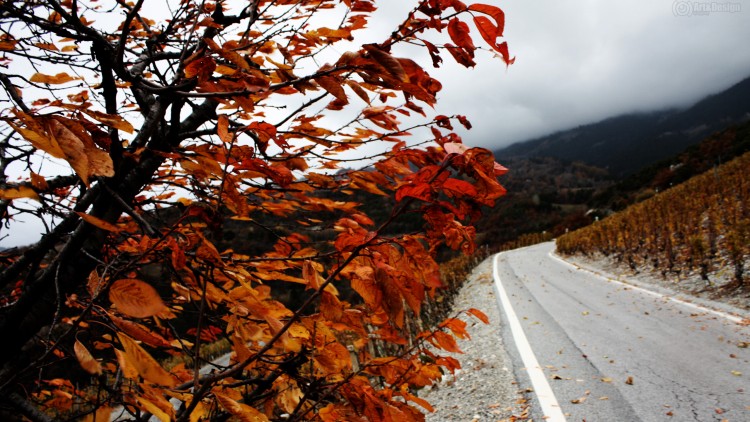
<point>610,352</point>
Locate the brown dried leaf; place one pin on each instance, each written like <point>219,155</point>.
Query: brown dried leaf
<point>88,363</point>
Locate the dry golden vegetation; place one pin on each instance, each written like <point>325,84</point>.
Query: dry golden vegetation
<point>699,226</point>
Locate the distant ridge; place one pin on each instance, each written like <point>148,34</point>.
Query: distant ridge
<point>627,143</point>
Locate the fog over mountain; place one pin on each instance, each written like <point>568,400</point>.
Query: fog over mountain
<point>579,62</point>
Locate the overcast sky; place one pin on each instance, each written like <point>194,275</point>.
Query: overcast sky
<point>585,60</point>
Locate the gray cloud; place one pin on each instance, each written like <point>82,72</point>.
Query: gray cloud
<point>579,62</point>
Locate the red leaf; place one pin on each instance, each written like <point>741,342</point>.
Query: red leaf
<point>421,191</point>
<point>201,68</point>
<point>497,14</point>
<point>459,32</point>
<point>459,188</point>
<point>460,55</point>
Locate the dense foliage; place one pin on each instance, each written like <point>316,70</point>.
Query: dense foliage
<point>136,133</point>
<point>700,225</point>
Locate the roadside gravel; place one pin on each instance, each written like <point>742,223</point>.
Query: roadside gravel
<point>484,389</point>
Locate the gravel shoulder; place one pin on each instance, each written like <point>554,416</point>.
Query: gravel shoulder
<point>484,389</point>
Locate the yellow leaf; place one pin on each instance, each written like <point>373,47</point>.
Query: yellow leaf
<point>145,364</point>
<point>98,222</point>
<point>18,192</point>
<point>111,120</point>
<point>127,368</point>
<point>60,78</point>
<point>239,410</point>
<point>153,409</point>
<point>88,363</point>
<point>136,298</point>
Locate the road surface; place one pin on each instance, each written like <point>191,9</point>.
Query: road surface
<point>599,350</point>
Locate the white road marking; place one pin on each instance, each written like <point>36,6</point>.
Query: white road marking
<point>721,314</point>
<point>547,399</point>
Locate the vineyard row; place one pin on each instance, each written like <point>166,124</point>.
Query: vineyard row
<point>700,226</point>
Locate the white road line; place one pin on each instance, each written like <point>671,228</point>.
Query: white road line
<point>721,314</point>
<point>547,399</point>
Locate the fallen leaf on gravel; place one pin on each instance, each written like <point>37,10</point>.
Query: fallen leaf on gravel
<point>737,373</point>
<point>670,413</point>
<point>578,401</point>
<point>606,379</point>
<point>743,344</point>
<point>603,398</point>
<point>556,377</point>
<point>629,381</point>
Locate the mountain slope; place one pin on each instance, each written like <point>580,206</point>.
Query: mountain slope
<point>627,143</point>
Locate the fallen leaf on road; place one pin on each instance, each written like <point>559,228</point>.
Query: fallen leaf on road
<point>578,401</point>
<point>670,413</point>
<point>737,373</point>
<point>603,398</point>
<point>606,379</point>
<point>743,344</point>
<point>556,377</point>
<point>629,381</point>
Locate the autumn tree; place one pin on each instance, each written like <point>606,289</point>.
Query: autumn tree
<point>134,132</point>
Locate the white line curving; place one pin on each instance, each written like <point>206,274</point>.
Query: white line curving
<point>721,314</point>
<point>547,400</point>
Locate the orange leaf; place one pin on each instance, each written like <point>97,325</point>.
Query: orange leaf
<point>241,411</point>
<point>136,298</point>
<point>445,342</point>
<point>479,315</point>
<point>60,78</point>
<point>222,129</point>
<point>139,332</point>
<point>88,363</point>
<point>111,120</point>
<point>38,181</point>
<point>145,364</point>
<point>98,222</point>
<point>333,86</point>
<point>456,326</point>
